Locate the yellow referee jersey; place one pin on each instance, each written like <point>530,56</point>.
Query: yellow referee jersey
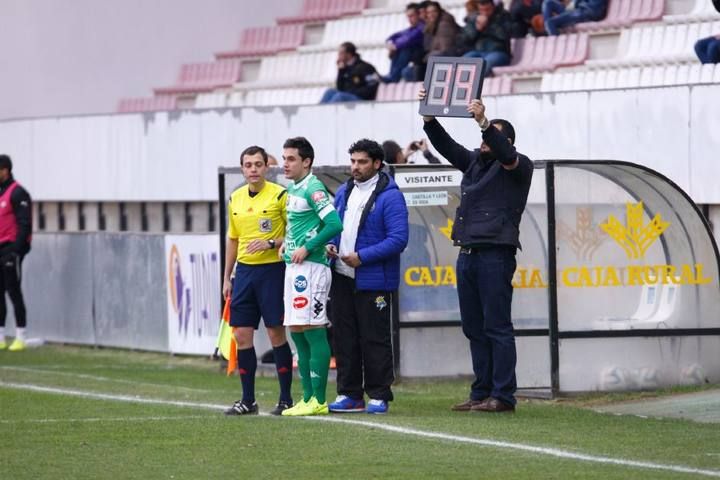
<point>259,217</point>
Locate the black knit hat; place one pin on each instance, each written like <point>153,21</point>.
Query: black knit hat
<point>5,162</point>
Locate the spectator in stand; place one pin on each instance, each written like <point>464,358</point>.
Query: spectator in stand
<point>406,45</point>
<point>526,18</point>
<point>395,155</point>
<point>356,79</point>
<point>439,36</point>
<point>422,10</point>
<point>708,49</point>
<point>487,35</point>
<point>560,14</point>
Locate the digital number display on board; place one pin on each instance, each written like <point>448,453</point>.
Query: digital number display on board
<point>451,83</point>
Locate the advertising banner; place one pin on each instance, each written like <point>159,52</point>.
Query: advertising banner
<point>193,293</point>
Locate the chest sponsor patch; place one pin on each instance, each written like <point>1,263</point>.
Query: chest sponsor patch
<point>265,225</point>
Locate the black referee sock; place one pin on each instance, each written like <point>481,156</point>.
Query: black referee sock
<point>247,364</point>
<point>283,365</point>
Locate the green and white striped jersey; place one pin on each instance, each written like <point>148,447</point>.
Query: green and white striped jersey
<point>308,202</point>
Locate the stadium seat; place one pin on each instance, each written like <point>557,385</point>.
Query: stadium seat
<point>407,91</point>
<point>394,6</point>
<point>236,99</point>
<point>310,68</point>
<point>281,97</point>
<point>398,92</point>
<point>363,31</point>
<point>622,13</point>
<point>266,41</point>
<point>647,76</point>
<point>211,100</point>
<point>702,11</point>
<point>314,11</point>
<point>650,302</point>
<point>203,77</point>
<point>147,104</point>
<point>540,54</point>
<point>694,73</point>
<point>639,45</point>
<point>297,68</point>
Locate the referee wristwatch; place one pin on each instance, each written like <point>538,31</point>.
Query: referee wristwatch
<point>271,242</point>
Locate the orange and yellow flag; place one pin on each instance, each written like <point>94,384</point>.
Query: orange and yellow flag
<point>226,340</point>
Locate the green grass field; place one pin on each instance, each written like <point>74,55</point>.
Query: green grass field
<point>68,412</point>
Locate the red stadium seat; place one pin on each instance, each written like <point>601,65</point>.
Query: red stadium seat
<point>203,77</point>
<point>407,91</point>
<point>542,54</point>
<point>147,104</point>
<point>622,13</point>
<point>266,41</point>
<point>321,10</point>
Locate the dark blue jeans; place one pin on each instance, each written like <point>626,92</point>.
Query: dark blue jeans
<point>708,50</point>
<point>399,61</point>
<point>562,18</point>
<point>484,285</point>
<point>333,95</point>
<point>492,59</point>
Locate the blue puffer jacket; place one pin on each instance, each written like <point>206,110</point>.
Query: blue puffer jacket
<point>382,234</point>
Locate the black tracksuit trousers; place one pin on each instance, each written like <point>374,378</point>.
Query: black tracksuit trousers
<point>362,338</point>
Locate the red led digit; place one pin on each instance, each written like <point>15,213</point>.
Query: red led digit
<point>440,84</point>
<point>463,85</point>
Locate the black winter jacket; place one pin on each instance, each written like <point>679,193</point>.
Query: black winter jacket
<point>360,79</point>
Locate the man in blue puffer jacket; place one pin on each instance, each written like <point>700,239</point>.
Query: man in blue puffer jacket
<point>365,280</point>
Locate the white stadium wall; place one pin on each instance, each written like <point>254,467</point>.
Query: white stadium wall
<point>174,156</point>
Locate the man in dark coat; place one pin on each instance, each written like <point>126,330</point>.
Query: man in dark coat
<point>356,79</point>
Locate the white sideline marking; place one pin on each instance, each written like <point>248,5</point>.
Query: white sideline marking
<point>108,396</point>
<point>100,419</point>
<point>552,452</point>
<point>101,379</point>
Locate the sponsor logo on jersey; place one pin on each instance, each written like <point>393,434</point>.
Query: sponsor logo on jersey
<point>318,196</point>
<point>300,302</point>
<point>265,225</point>
<point>300,283</point>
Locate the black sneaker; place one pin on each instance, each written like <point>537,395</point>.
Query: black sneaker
<point>241,408</point>
<point>280,407</point>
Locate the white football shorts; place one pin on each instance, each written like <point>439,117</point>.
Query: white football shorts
<point>307,286</point>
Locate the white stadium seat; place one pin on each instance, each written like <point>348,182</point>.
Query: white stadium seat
<point>703,10</point>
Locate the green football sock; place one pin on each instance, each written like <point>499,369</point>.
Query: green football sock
<point>319,361</point>
<point>303,351</point>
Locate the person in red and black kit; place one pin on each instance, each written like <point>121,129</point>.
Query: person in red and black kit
<point>494,191</point>
<point>15,234</point>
